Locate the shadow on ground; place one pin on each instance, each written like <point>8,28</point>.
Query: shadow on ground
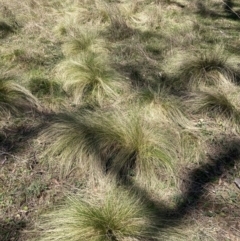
<point>16,136</point>
<point>10,230</point>
<point>195,186</point>
<point>228,10</point>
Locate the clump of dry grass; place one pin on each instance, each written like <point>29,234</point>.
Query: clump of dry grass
<point>118,28</point>
<point>161,102</point>
<point>88,77</point>
<point>83,41</point>
<point>192,146</point>
<point>116,215</point>
<point>221,101</point>
<point>15,98</point>
<point>91,14</point>
<point>122,143</point>
<point>202,67</point>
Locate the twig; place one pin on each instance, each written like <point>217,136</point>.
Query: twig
<point>8,154</point>
<point>231,9</point>
<point>237,182</point>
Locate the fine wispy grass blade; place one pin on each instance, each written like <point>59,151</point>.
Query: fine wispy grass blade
<point>192,146</point>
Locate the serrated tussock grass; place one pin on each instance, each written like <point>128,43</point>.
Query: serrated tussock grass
<point>83,40</point>
<point>219,101</point>
<point>116,215</point>
<point>133,145</point>
<point>89,78</point>
<point>118,29</point>
<point>15,98</point>
<point>161,102</point>
<point>202,67</point>
<point>70,142</point>
<point>122,143</point>
<point>91,14</point>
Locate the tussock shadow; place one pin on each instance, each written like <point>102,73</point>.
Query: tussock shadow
<point>5,29</point>
<point>16,136</point>
<point>180,5</point>
<point>228,5</point>
<point>141,60</point>
<point>146,77</point>
<point>205,12</point>
<point>10,230</point>
<point>208,173</point>
<point>227,11</point>
<point>135,75</point>
<point>195,187</point>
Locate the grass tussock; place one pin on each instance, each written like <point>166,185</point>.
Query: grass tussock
<point>91,14</point>
<point>89,78</point>
<point>142,94</point>
<point>83,41</point>
<point>161,102</point>
<point>15,98</point>
<point>73,143</point>
<point>222,101</point>
<point>203,67</point>
<point>117,215</point>
<point>124,144</point>
<point>118,29</point>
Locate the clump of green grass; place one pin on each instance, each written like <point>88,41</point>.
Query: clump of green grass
<point>203,67</point>
<point>15,98</point>
<point>122,143</point>
<point>88,77</point>
<point>117,215</point>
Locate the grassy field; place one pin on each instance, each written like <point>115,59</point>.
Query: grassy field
<point>119,120</point>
